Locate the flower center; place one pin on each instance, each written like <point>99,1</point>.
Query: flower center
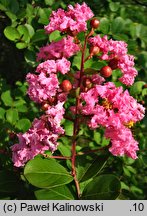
<point>129,124</point>
<point>105,103</point>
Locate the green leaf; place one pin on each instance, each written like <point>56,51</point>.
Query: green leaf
<point>56,193</point>
<point>46,173</point>
<point>2,113</point>
<point>11,33</point>
<point>88,166</point>
<point>24,33</point>
<point>104,25</point>
<point>12,115</point>
<point>77,60</point>
<point>55,36</point>
<point>117,25</point>
<point>39,36</point>
<point>144,92</point>
<point>21,45</point>
<point>103,187</point>
<point>30,57</point>
<point>64,149</point>
<point>114,6</point>
<point>12,16</point>
<point>8,182</point>
<point>44,14</point>
<point>49,2</point>
<point>68,126</point>
<point>137,87</point>
<point>142,59</point>
<point>6,98</point>
<point>30,30</point>
<point>23,124</point>
<point>14,6</point>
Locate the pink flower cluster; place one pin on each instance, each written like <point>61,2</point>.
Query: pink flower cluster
<point>102,104</point>
<point>56,50</point>
<point>111,49</point>
<point>72,20</point>
<point>44,86</point>
<point>116,111</point>
<point>40,137</point>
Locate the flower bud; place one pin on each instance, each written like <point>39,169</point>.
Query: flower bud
<point>106,71</point>
<point>45,106</point>
<point>66,85</point>
<point>94,23</point>
<point>94,50</point>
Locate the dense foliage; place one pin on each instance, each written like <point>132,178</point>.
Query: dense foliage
<point>22,34</point>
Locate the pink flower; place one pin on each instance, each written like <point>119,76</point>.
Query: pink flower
<point>47,67</point>
<point>52,66</point>
<point>74,19</point>
<point>63,65</point>
<point>41,87</point>
<point>123,142</point>
<point>56,50</point>
<point>116,111</point>
<point>39,138</point>
<point>111,49</point>
<point>55,115</point>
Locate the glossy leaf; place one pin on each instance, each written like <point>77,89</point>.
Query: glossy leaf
<point>44,14</point>
<point>39,36</point>
<point>137,87</point>
<point>2,113</point>
<point>30,30</point>
<point>117,25</point>
<point>103,187</point>
<point>23,124</point>
<point>6,98</point>
<point>104,25</point>
<point>11,33</point>
<point>21,45</point>
<point>55,36</point>
<point>56,193</point>
<point>30,57</point>
<point>46,173</point>
<point>12,115</point>
<point>24,33</point>
<point>114,6</point>
<point>89,166</point>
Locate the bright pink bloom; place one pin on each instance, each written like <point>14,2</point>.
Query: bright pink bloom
<point>74,19</point>
<point>117,49</point>
<point>47,67</point>
<point>115,110</point>
<point>41,87</point>
<point>56,50</point>
<point>39,138</point>
<point>52,66</point>
<point>123,142</point>
<point>63,65</point>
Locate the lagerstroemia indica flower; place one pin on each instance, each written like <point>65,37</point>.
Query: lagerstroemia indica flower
<point>98,102</point>
<point>116,111</point>
<point>72,20</point>
<point>110,50</point>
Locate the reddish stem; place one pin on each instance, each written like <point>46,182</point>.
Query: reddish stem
<point>76,123</point>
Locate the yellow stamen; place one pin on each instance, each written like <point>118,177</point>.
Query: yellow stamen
<point>106,104</point>
<point>129,124</point>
